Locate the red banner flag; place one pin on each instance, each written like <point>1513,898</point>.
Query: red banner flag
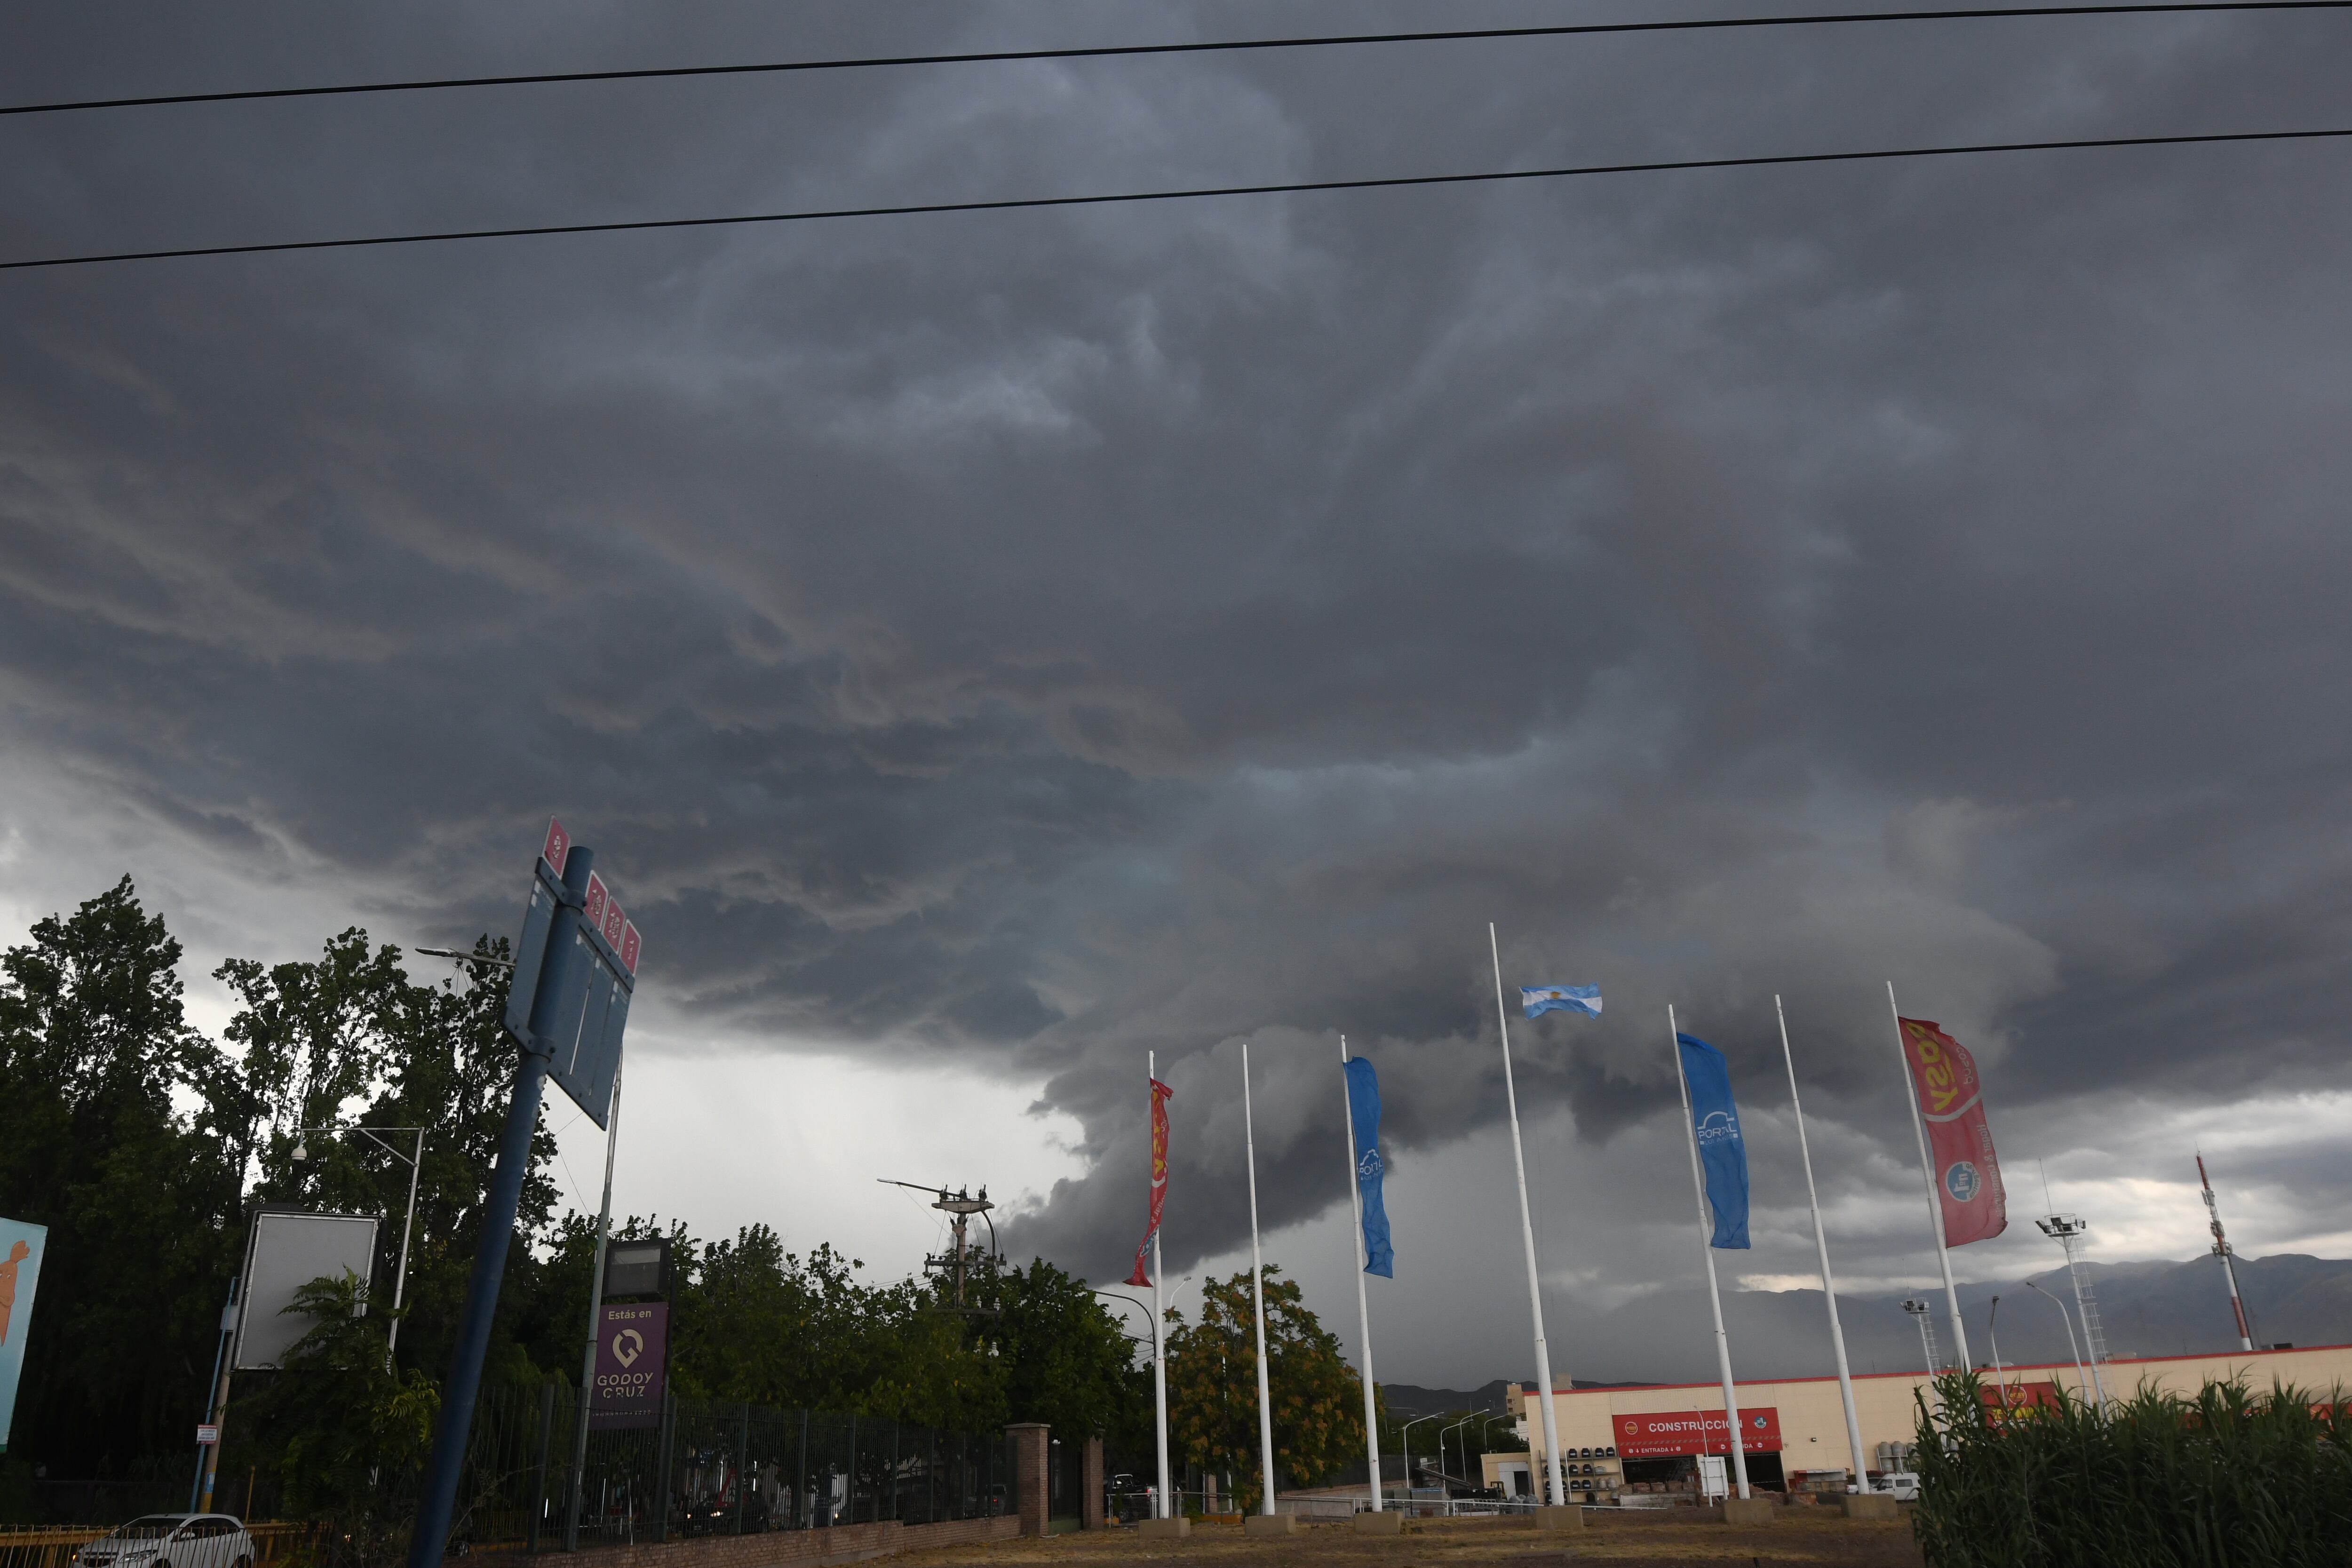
<point>1161,1095</point>
<point>1968,1177</point>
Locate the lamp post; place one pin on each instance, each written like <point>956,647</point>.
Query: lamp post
<point>1404,1436</point>
<point>1993,1320</point>
<point>2098,1395</point>
<point>1483,1424</point>
<point>415,1163</point>
<point>1442,1431</point>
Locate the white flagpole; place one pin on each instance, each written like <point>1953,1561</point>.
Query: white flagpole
<point>1734,1440</point>
<point>1554,1488</point>
<point>1822,1246</point>
<point>1927,1177</point>
<point>1159,1322</point>
<point>1363,1306</point>
<point>1257,1294</point>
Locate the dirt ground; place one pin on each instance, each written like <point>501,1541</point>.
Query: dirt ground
<point>1653,1539</point>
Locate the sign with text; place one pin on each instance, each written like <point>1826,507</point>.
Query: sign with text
<point>631,1354</point>
<point>1664,1434</point>
<point>583,1043</point>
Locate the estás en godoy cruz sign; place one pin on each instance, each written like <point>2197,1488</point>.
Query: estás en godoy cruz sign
<point>631,1354</point>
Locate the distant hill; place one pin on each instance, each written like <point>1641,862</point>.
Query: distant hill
<point>2150,1309</point>
<point>1408,1399</point>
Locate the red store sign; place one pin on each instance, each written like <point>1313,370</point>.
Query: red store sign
<point>1665,1433</point>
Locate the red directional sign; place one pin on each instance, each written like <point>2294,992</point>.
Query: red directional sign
<point>615,922</point>
<point>629,946</point>
<point>594,911</point>
<point>558,845</point>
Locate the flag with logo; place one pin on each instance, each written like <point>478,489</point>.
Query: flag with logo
<point>1161,1095</point>
<point>1364,1117</point>
<point>1714,1123</point>
<point>1968,1177</point>
<point>1542,999</point>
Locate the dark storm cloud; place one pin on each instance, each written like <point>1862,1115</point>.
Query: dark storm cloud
<point>1045,639</point>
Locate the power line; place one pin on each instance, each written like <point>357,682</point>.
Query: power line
<point>1232,46</point>
<point>914,209</point>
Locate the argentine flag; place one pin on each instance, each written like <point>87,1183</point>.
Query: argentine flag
<point>1584,999</point>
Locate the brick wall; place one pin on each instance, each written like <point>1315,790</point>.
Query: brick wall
<point>806,1548</point>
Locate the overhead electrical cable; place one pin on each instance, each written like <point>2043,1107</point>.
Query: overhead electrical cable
<point>1225,45</point>
<point>1289,187</point>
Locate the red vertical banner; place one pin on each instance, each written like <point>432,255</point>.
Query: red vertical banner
<point>1968,1177</point>
<point>1161,1095</point>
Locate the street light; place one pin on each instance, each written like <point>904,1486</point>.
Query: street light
<point>1483,1426</point>
<point>1441,1441</point>
<point>415,1163</point>
<point>2098,1394</point>
<point>1405,1436</point>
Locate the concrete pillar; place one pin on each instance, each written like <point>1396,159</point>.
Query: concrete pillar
<point>1090,1483</point>
<point>1030,1454</point>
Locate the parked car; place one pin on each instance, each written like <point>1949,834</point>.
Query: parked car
<point>171,1541</point>
<point>1903,1484</point>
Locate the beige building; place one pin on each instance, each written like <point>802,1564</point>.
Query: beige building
<point>1615,1440</point>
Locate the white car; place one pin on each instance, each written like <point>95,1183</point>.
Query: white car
<point>1902,1484</point>
<point>171,1541</point>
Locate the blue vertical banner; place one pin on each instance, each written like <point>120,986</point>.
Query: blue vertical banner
<point>1714,1123</point>
<point>21,1246</point>
<point>1364,1113</point>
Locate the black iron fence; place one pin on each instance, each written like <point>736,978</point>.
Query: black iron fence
<point>712,1468</point>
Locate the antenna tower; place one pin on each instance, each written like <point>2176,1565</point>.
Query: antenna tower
<point>959,1209</point>
<point>2221,1251</point>
<point>2067,1230</point>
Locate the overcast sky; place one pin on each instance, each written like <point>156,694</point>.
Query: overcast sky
<point>983,649</point>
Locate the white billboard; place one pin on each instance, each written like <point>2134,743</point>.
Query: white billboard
<point>287,1250</point>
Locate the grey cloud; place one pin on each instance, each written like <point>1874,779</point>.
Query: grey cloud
<point>1044,638</point>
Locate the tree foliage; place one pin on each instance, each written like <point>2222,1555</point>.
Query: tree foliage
<point>1317,1399</point>
<point>144,1145</point>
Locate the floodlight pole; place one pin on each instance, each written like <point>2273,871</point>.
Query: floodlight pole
<point>1555,1488</point>
<point>566,950</point>
<point>577,1492</point>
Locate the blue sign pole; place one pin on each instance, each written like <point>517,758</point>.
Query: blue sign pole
<point>567,951</point>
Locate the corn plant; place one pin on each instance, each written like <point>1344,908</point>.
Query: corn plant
<point>2227,1480</point>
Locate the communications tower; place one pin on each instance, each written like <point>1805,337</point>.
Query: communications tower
<point>2221,1251</point>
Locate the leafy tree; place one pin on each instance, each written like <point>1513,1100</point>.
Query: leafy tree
<point>140,1196</point>
<point>1068,1362</point>
<point>344,1430</point>
<point>1317,1399</point>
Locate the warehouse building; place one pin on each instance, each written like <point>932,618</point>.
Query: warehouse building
<point>1629,1442</point>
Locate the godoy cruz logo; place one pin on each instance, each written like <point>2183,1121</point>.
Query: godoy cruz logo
<point>627,1346</point>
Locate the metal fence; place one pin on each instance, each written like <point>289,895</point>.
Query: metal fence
<point>713,1467</point>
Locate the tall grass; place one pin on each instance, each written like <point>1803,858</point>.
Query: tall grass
<point>2228,1480</point>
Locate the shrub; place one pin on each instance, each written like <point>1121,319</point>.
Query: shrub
<point>2228,1480</point>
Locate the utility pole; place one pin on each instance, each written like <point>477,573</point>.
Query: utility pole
<point>2221,1251</point>
<point>959,1210</point>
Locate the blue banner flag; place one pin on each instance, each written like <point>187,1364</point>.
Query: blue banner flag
<point>1714,1122</point>
<point>1584,999</point>
<point>1364,1111</point>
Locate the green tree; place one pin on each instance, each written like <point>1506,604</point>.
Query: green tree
<point>343,1430</point>
<point>1068,1360</point>
<point>111,1134</point>
<point>1317,1399</point>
